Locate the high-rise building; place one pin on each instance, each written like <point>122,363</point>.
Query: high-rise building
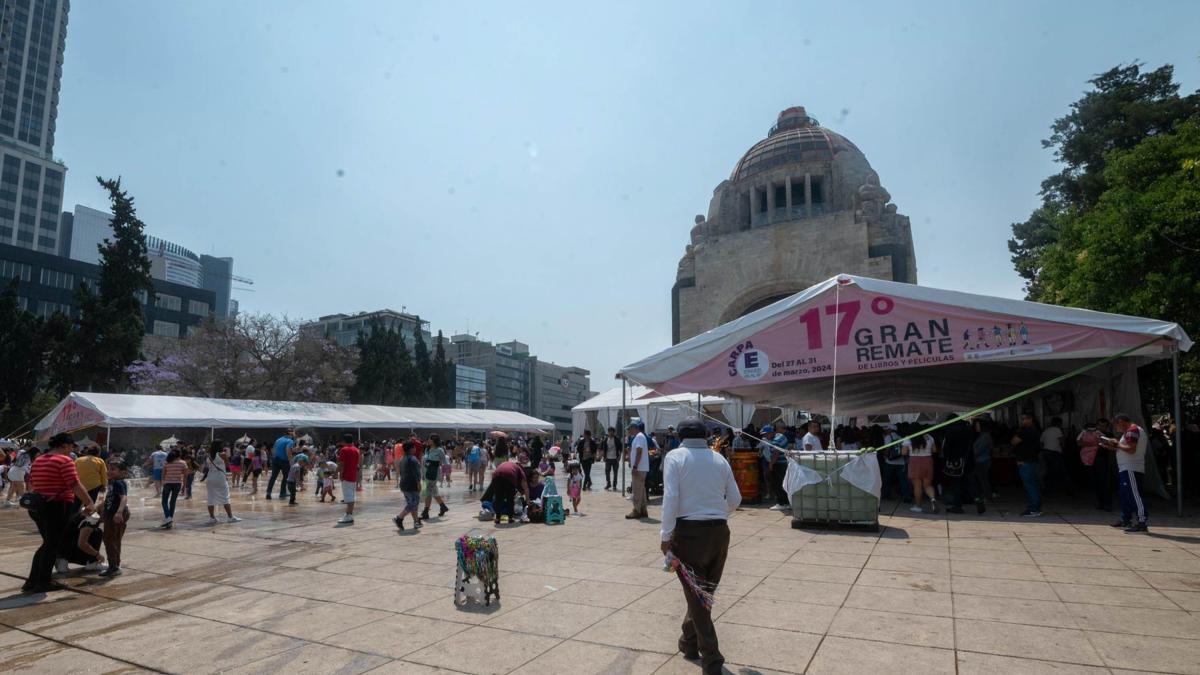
<point>557,389</point>
<point>85,229</point>
<point>470,387</point>
<point>33,37</point>
<point>516,380</point>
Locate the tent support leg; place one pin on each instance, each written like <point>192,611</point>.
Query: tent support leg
<point>108,439</point>
<point>624,424</point>
<point>1178,434</point>
<point>212,434</point>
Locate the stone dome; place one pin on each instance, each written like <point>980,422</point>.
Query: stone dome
<point>795,138</point>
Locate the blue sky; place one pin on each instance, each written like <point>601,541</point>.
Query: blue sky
<point>532,170</point>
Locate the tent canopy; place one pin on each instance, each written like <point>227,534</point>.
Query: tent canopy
<point>81,410</point>
<point>658,412</point>
<point>897,346</point>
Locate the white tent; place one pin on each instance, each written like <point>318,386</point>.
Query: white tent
<point>658,412</point>
<point>81,410</point>
<point>899,347</point>
<point>859,346</point>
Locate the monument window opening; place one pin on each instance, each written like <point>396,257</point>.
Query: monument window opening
<point>762,200</point>
<point>818,191</point>
<point>780,197</point>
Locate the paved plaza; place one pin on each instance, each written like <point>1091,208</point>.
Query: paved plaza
<point>287,590</point>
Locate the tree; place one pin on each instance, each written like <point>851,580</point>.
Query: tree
<point>422,393</point>
<point>256,356</point>
<point>1137,250</point>
<point>21,357</point>
<point>381,371</point>
<point>443,384</point>
<point>1125,107</point>
<point>111,323</point>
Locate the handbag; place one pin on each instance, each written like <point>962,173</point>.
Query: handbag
<point>32,502</point>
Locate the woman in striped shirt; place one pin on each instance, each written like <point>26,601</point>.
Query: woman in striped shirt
<point>174,472</point>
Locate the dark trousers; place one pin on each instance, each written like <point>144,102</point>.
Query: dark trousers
<point>113,533</point>
<point>897,475</point>
<point>278,467</point>
<point>778,472</point>
<point>958,487</point>
<point>191,478</point>
<point>612,472</point>
<point>1133,504</point>
<point>1055,473</point>
<point>51,522</point>
<point>702,545</point>
<point>170,494</point>
<point>291,488</point>
<point>586,465</point>
<point>981,481</point>
<point>1101,471</point>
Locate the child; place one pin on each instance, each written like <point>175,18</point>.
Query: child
<point>574,484</point>
<point>327,482</point>
<point>294,476</point>
<point>114,516</point>
<point>447,467</point>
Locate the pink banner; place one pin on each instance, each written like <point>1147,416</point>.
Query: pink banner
<point>73,417</point>
<point>865,332</point>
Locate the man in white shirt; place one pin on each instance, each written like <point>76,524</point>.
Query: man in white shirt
<point>812,440</point>
<point>1130,449</point>
<point>699,493</point>
<point>638,457</point>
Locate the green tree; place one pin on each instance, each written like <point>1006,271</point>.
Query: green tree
<point>21,359</point>
<point>380,378</point>
<point>442,386</point>
<point>111,322</point>
<point>1137,250</point>
<point>422,393</point>
<point>1125,106</point>
<point>410,384</point>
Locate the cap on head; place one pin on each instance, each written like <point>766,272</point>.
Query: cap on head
<point>692,427</point>
<point>636,423</point>
<point>768,429</point>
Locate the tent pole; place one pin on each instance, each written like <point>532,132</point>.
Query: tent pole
<point>624,425</point>
<point>212,434</point>
<point>1178,433</point>
<point>108,438</point>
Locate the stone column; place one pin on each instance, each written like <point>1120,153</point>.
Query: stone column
<point>808,195</point>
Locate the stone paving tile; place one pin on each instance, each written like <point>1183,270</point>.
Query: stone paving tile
<point>768,648</point>
<point>395,636</point>
<point>484,651</point>
<point>1113,595</point>
<point>1013,610</point>
<point>854,656</point>
<point>23,653</point>
<point>582,657</point>
<point>1038,642</point>
<point>550,618</point>
<point>677,665</point>
<point>1137,620</point>
<point>312,659</point>
<point>312,597</point>
<point>1002,588</point>
<point>894,599</point>
<point>812,592</point>
<point>1138,652</point>
<point>902,628</point>
<point>788,614</point>
<point>601,594</point>
<point>972,663</point>
<point>641,631</point>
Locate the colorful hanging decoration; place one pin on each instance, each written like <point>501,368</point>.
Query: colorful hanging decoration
<point>702,589</point>
<point>478,559</point>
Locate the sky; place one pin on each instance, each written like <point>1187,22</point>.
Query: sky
<point>531,171</point>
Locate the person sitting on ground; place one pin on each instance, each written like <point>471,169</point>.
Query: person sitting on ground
<point>81,543</point>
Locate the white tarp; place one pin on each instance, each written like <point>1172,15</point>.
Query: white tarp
<point>81,410</point>
<point>658,412</point>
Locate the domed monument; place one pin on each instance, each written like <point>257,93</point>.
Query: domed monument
<point>802,205</point>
